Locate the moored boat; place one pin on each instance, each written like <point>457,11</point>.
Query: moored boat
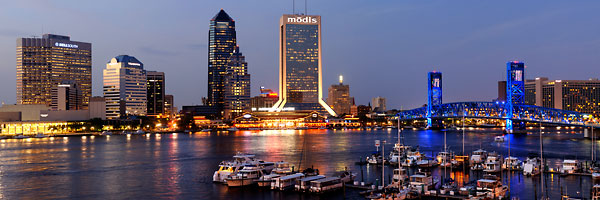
<point>493,163</point>
<point>427,163</point>
<point>265,180</point>
<point>569,166</point>
<point>491,188</point>
<point>248,175</point>
<point>531,166</point>
<point>512,163</point>
<point>302,185</point>
<point>286,182</point>
<point>477,159</point>
<point>325,184</point>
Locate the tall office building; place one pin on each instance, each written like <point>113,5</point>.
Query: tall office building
<point>44,63</point>
<point>155,93</point>
<point>575,95</point>
<point>65,96</point>
<point>221,44</point>
<point>169,105</point>
<point>378,104</point>
<point>339,98</point>
<point>237,86</point>
<point>124,87</point>
<point>300,81</point>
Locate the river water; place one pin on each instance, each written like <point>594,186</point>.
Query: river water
<point>159,166</point>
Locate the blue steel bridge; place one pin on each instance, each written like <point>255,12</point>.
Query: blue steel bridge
<point>513,109</point>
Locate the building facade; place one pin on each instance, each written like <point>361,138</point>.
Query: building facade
<point>169,105</point>
<point>97,108</point>
<point>339,98</point>
<point>125,87</point>
<point>378,104</point>
<point>237,86</point>
<point>300,68</point>
<point>155,94</point>
<point>221,44</point>
<point>44,63</point>
<point>66,96</point>
<point>575,95</point>
<point>264,101</point>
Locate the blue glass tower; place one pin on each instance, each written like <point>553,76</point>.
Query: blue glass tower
<point>515,89</point>
<point>434,93</point>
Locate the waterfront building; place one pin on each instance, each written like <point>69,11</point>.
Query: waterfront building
<point>155,94</point>
<point>44,63</point>
<point>125,87</point>
<point>378,104</point>
<point>363,111</point>
<point>264,101</point>
<point>502,91</point>
<point>339,98</point>
<point>65,96</point>
<point>280,120</point>
<point>210,112</point>
<point>237,86</point>
<point>300,67</point>
<point>28,112</point>
<point>221,44</point>
<point>170,109</point>
<point>575,95</point>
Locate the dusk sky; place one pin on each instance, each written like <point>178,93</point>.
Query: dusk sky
<point>383,48</point>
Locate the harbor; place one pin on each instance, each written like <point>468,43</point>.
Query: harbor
<point>187,162</point>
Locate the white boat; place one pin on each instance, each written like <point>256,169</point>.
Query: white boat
<point>412,158</point>
<point>421,182</point>
<point>493,163</point>
<point>491,188</point>
<point>499,138</point>
<point>21,136</point>
<point>375,159</point>
<point>325,184</point>
<point>286,182</point>
<point>248,175</point>
<point>477,159</point>
<point>40,135</point>
<point>446,159</point>
<point>397,152</point>
<point>400,175</point>
<point>233,129</point>
<point>106,133</point>
<point>282,168</point>
<point>227,168</point>
<point>569,166</point>
<point>531,166</point>
<point>345,176</point>
<point>303,185</point>
<point>512,163</point>
<point>139,132</point>
<point>427,163</point>
<point>265,180</point>
<point>206,130</point>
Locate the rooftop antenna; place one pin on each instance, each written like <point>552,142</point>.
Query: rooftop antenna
<point>305,8</point>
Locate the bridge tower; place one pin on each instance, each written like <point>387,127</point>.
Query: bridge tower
<point>434,93</point>
<point>515,89</point>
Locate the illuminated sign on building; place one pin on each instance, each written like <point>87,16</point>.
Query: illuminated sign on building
<point>307,20</point>
<point>59,44</point>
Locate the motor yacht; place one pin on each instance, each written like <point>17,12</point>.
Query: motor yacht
<point>265,180</point>
<point>477,159</point>
<point>427,163</point>
<point>400,175</point>
<point>532,166</point>
<point>412,157</point>
<point>490,187</point>
<point>282,168</point>
<point>421,182</point>
<point>227,168</point>
<point>499,138</point>
<point>493,163</point>
<point>247,175</point>
<point>446,159</point>
<point>569,166</point>
<point>375,159</point>
<point>512,163</point>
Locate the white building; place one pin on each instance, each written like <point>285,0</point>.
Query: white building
<point>124,87</point>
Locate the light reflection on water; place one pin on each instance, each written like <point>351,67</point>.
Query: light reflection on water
<point>181,165</point>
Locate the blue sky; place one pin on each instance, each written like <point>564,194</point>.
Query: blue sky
<point>383,48</point>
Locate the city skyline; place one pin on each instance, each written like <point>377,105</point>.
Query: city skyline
<point>461,68</point>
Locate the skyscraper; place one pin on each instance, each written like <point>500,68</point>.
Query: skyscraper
<point>339,98</point>
<point>378,104</point>
<point>300,81</point>
<point>124,87</point>
<point>44,63</point>
<point>155,93</point>
<point>237,86</point>
<point>221,44</point>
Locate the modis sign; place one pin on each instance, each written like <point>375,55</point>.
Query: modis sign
<point>299,19</point>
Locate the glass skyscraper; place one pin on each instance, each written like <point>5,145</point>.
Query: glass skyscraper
<point>125,87</point>
<point>155,93</point>
<point>45,63</point>
<point>237,86</point>
<point>221,44</point>
<point>300,81</point>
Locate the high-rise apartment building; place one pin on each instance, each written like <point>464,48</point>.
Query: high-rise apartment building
<point>65,96</point>
<point>575,95</point>
<point>339,98</point>
<point>155,93</point>
<point>44,63</point>
<point>237,86</point>
<point>124,87</point>
<point>221,44</point>
<point>378,104</point>
<point>300,81</point>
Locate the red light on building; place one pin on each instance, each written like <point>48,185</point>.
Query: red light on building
<point>273,94</point>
